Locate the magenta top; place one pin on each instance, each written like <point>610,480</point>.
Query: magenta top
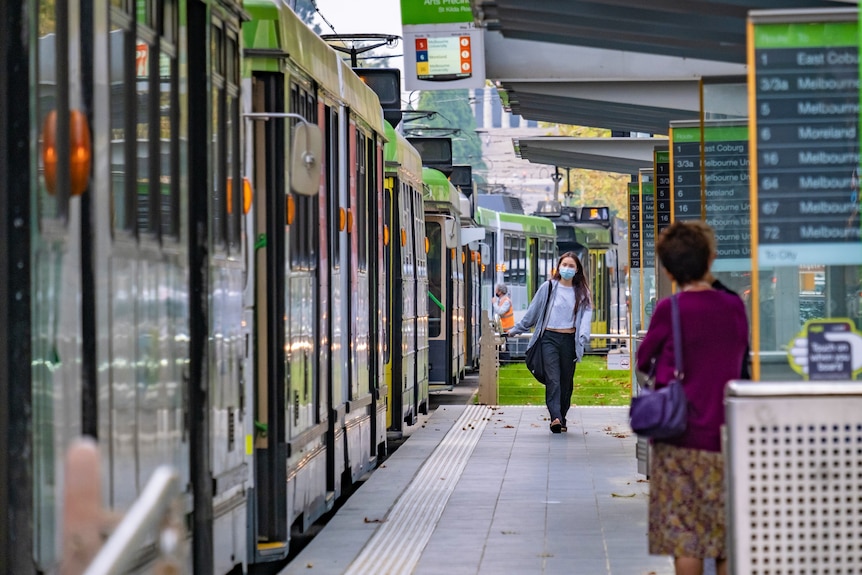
<point>714,341</point>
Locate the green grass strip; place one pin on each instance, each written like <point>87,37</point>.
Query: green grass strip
<point>594,385</point>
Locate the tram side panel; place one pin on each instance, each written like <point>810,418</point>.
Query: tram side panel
<point>421,367</point>
<point>402,305</point>
<point>56,329</point>
<point>361,408</point>
<point>307,431</point>
<point>113,305</point>
<point>380,279</point>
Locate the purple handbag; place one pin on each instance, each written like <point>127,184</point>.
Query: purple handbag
<point>663,413</point>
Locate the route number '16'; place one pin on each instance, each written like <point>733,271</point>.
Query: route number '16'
<point>770,158</point>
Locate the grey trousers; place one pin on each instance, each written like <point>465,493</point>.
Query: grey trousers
<point>558,351</point>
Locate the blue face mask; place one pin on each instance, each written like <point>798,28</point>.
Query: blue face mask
<point>567,273</point>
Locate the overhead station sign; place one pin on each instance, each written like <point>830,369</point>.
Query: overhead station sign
<point>805,113</point>
<point>443,49</point>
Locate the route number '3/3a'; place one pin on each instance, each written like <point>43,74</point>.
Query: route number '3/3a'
<point>774,85</point>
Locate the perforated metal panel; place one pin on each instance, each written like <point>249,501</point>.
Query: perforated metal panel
<point>794,463</point>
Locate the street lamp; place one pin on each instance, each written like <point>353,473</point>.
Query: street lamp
<point>557,177</point>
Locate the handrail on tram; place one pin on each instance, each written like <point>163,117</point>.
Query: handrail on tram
<point>151,513</point>
<point>628,337</point>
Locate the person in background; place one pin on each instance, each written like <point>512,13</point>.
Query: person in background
<point>686,499</point>
<point>503,308</point>
<point>566,328</point>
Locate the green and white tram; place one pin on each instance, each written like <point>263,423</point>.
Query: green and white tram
<point>317,285</point>
<point>523,254</point>
<point>446,306</point>
<point>406,323</point>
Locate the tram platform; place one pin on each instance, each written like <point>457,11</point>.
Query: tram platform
<point>488,491</point>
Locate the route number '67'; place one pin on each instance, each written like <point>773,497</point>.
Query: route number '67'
<point>769,208</point>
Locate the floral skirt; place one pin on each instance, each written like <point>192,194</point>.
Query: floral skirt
<point>686,502</point>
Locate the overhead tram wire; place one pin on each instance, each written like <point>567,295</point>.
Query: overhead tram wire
<point>322,17</point>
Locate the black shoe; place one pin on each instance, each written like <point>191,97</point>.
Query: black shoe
<point>556,426</point>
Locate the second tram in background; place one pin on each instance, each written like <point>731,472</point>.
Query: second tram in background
<point>522,256</point>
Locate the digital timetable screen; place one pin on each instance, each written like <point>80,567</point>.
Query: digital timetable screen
<point>444,58</point>
<point>806,135</point>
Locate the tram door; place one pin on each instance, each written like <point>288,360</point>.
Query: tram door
<point>270,448</point>
<point>54,264</point>
<point>600,280</point>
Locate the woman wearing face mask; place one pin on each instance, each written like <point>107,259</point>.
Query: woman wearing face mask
<point>566,327</point>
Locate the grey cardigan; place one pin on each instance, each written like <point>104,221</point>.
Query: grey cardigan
<point>536,310</point>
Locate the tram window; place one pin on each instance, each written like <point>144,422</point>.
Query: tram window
<point>370,197</point>
<point>332,182</point>
<point>47,96</point>
<point>360,219</point>
<point>522,261</point>
<point>507,259</point>
<point>169,144</point>
<point>234,200</point>
<point>145,10</point>
<point>547,259</point>
<point>218,192</point>
<point>121,125</point>
<point>405,221</point>
<point>226,199</point>
<point>147,163</point>
<point>387,261</point>
<point>169,21</point>
<point>304,231</point>
<point>418,246</point>
<point>435,279</point>
<point>233,190</point>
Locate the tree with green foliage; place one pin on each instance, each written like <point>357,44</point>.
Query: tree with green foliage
<point>592,187</point>
<point>454,112</point>
<point>306,9</point>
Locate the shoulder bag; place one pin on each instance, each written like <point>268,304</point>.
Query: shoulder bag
<point>534,359</point>
<point>663,413</point>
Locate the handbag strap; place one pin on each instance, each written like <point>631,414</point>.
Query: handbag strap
<point>677,338</point>
<point>547,305</point>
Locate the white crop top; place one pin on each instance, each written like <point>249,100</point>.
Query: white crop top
<point>562,313</point>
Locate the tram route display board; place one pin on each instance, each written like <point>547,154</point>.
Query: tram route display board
<point>648,224</point>
<point>661,168</point>
<point>685,172</point>
<point>634,226</point>
<point>726,187</point>
<point>806,137</point>
<point>728,206</point>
